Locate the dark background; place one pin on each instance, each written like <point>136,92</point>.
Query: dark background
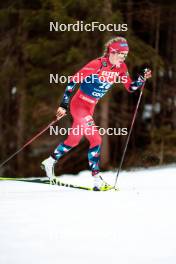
<point>29,52</point>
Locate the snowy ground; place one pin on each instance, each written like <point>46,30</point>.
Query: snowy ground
<point>50,224</point>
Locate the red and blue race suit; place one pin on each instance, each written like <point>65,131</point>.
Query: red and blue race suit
<point>95,79</point>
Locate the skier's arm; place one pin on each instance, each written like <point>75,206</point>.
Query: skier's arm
<point>136,84</point>
<point>132,86</point>
<point>88,69</point>
<point>67,94</point>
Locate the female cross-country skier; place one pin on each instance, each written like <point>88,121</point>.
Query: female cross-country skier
<point>96,78</point>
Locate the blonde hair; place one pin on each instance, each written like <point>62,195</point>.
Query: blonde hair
<point>110,42</point>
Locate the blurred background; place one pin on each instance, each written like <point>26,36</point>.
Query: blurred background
<point>29,52</point>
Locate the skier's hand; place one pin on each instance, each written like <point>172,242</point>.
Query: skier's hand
<point>60,112</point>
<point>147,73</point>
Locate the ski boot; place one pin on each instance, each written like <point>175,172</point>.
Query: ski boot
<point>48,166</point>
<point>100,184</point>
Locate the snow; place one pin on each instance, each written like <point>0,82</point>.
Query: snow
<point>50,224</point>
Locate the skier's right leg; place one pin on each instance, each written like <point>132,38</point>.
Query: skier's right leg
<point>95,141</point>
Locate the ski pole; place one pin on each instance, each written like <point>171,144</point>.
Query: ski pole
<point>30,141</point>
<point>129,134</point>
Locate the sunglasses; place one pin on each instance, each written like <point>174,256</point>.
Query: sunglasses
<point>120,53</point>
